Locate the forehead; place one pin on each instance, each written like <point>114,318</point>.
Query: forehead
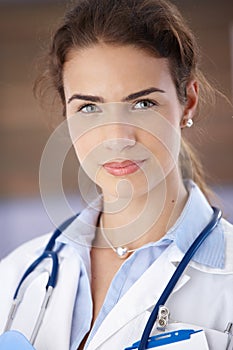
<point>106,69</point>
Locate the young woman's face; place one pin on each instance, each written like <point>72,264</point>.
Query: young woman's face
<point>111,143</point>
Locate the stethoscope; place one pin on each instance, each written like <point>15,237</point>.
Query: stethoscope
<point>217,214</point>
<point>50,253</point>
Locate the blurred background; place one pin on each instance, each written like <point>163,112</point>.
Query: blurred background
<point>25,30</point>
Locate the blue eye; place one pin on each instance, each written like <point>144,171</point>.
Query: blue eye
<point>144,104</point>
<point>89,109</point>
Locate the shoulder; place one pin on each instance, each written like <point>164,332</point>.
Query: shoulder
<point>228,233</point>
<point>29,246</point>
<point>24,254</point>
<point>37,245</point>
<point>14,265</point>
<point>227,230</point>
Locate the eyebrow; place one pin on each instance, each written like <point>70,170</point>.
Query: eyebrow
<point>125,99</point>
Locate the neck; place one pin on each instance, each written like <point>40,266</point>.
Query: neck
<point>144,218</point>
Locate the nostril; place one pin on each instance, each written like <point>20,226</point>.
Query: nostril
<point>119,144</point>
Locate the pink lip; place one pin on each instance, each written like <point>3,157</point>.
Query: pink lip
<point>122,168</point>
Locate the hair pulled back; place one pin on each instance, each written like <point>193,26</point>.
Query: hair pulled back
<point>152,25</point>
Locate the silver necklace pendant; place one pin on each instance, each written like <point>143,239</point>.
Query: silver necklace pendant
<point>122,252</point>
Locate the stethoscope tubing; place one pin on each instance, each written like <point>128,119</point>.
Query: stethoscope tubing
<point>50,245</point>
<point>49,253</point>
<point>217,214</point>
<point>53,275</point>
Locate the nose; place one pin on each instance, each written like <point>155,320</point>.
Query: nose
<point>119,137</point>
<point>119,144</point>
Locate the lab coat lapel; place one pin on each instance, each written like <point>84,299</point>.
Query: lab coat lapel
<point>141,296</point>
<point>56,327</point>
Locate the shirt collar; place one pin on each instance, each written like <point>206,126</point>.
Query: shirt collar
<point>81,232</point>
<point>195,216</point>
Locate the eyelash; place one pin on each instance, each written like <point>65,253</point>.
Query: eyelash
<point>142,100</point>
<point>84,105</point>
<point>147,100</point>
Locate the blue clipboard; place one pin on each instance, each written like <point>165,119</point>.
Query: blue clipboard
<point>166,338</point>
<point>12,340</point>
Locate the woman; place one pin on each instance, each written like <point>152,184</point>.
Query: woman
<point>127,75</point>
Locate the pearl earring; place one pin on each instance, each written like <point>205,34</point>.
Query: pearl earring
<point>186,123</point>
<point>189,123</point>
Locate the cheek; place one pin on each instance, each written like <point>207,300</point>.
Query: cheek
<point>88,151</point>
<point>81,149</point>
<point>162,143</point>
<point>86,145</point>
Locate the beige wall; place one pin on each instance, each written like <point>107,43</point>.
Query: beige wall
<point>24,31</point>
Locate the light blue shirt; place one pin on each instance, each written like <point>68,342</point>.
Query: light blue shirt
<point>194,217</point>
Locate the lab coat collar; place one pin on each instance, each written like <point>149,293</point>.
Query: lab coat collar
<point>124,311</point>
<point>81,232</point>
<point>154,280</point>
<point>195,216</point>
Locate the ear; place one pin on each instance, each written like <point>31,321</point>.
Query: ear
<point>190,106</point>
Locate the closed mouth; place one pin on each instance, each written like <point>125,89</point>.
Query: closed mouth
<point>123,168</point>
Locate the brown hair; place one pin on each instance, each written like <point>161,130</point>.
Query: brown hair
<point>153,25</point>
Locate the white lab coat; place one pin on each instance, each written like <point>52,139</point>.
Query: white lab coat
<point>203,298</point>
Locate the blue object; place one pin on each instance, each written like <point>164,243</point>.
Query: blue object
<point>13,340</point>
<point>53,255</point>
<point>53,276</point>
<point>166,338</point>
<point>194,217</point>
<point>48,253</point>
<point>177,274</point>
